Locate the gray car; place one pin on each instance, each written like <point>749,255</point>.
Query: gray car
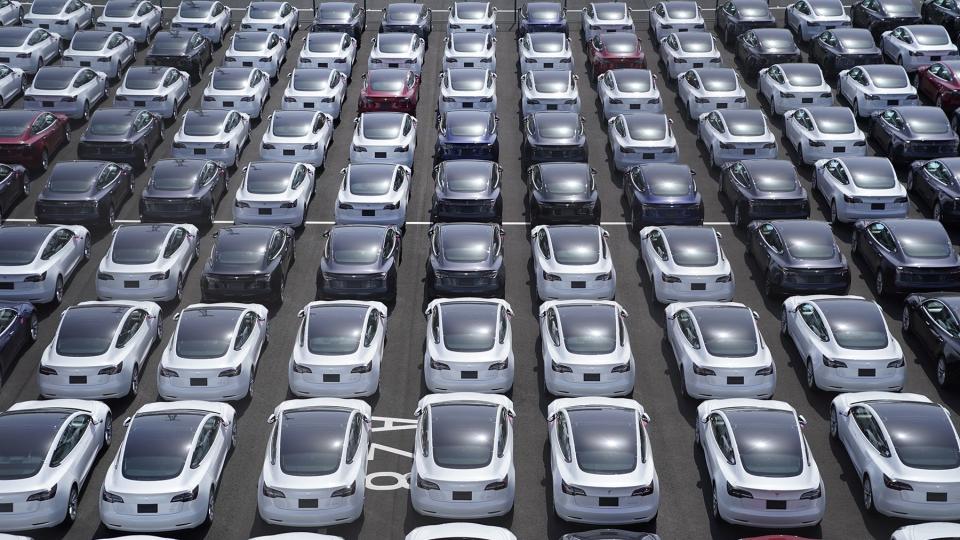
<point>763,189</point>
<point>407,17</point>
<point>466,259</point>
<point>467,190</point>
<point>360,261</point>
<point>907,255</point>
<point>798,256</point>
<point>554,136</point>
<point>562,193</point>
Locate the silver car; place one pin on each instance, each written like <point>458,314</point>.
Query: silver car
<point>624,90</point>
<point>251,49</point>
<point>549,91</point>
<point>158,89</point>
<point>682,50</point>
<point>13,82</point>
<point>916,45</point>
<point>36,261</point>
<point>375,194</point>
<point>70,91</point>
<point>675,16</point>
<point>860,188</point>
<point>708,89</point>
<point>384,137</point>
<point>641,137</point>
<point>269,16</point>
<point>28,48</point>
<point>807,19</point>
<point>736,135</point>
<point>220,135</point>
<point>139,19</point>
<point>109,52</point>
<point>605,17</point>
<point>824,132</point>
<point>397,50</point>
<point>11,13</point>
<point>274,193</point>
<point>874,87</point>
<point>544,51</point>
<point>211,18</point>
<point>237,88</point>
<point>320,89</point>
<point>476,17</point>
<point>467,88</point>
<point>788,86</point>
<point>65,17</point>
<point>334,50</point>
<point>468,50</point>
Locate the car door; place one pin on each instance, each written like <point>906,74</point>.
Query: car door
<point>881,243</point>
<point>939,324</point>
<point>656,254</point>
<point>811,330</point>
<point>372,331</point>
<point>739,181</point>
<point>76,448</point>
<point>550,337</point>
<point>247,341</point>
<point>767,239</point>
<point>208,453</point>
<point>62,259</point>
<point>866,438</point>
<point>717,445</point>
<point>684,338</point>
<point>134,337</point>
<point>177,251</point>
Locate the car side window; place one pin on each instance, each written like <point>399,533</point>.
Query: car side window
<point>116,41</point>
<point>218,8</point>
<point>41,123</point>
<point>272,42</point>
<point>275,248</point>
<point>72,434</point>
<point>810,316</point>
<point>142,121</point>
<point>941,316</point>
<point>658,245</point>
<point>621,126</point>
<point>208,434</point>
<point>771,237</point>
<point>207,174</point>
<point>871,429</point>
<point>170,78</point>
<point>856,74</point>
<point>353,442</point>
<point>299,176</point>
<point>802,7</point>
<point>835,168</point>
<point>553,327</point>
<point>692,79</point>
<point>502,427</point>
<point>173,244</point>
<point>672,42</point>
<point>373,325</point>
<point>144,9</point>
<point>55,244</point>
<point>131,326</point>
<point>107,175</point>
<point>407,125</point>
<point>882,235</point>
<point>501,329</point>
<point>287,9</point>
<point>425,432</point>
<point>544,244</point>
<point>247,324</point>
<point>563,437</point>
<point>716,122</point>
<point>195,41</point>
<point>739,173</point>
<point>722,436</point>
<point>435,325</point>
<point>891,117</point>
<point>685,322</point>
<point>938,172</point>
<point>776,74</point>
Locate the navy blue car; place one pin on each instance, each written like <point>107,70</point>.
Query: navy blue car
<point>937,184</point>
<point>464,134</point>
<point>542,17</point>
<point>912,132</point>
<point>19,327</point>
<point>662,194</point>
<point>907,255</point>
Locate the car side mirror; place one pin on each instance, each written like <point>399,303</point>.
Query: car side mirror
<point>127,420</point>
<point>802,421</point>
<point>272,419</point>
<point>176,316</point>
<point>756,316</point>
<point>719,235</point>
<point>301,314</point>
<point>645,418</point>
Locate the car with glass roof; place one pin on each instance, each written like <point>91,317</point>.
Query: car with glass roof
<point>686,264</point>
<point>874,87</point>
<point>148,262</point>
<point>572,262</point>
<point>466,259</point>
<point>139,19</point>
<point>274,193</point>
<point>798,256</point>
<point>708,89</point>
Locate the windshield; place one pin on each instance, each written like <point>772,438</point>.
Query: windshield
<point>726,82</point>
<point>194,11</point>
<point>53,79</point>
<point>27,440</point>
<point>335,330</point>
<point>204,333</point>
<point>66,179</point>
<point>172,176</point>
<point>230,80</point>
<point>462,435</point>
<point>88,330</point>
<point>311,441</point>
<point>469,326</point>
<point>89,41</point>
<point>310,80</point>
<point>268,178</point>
<point>589,329</point>
<point>120,9</point>
<point>350,248</point>
<point>158,444</point>
<point>138,244</point>
<point>113,126</point>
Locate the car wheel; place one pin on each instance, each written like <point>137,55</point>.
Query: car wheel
<point>635,221</point>
<point>905,321</point>
<point>212,215</point>
<point>939,101</point>
<point>854,245</point>
<point>834,215</point>
<point>86,111</point>
<point>867,493</point>
<point>134,381</point>
<point>107,430</point>
<point>811,376</point>
<point>111,217</point>
<point>683,385</point>
<point>73,503</point>
<point>145,161</point>
<point>34,327</point>
<point>880,283</point>
<point>58,291</point>
<point>211,500</point>
<point>179,293</point>
<point>783,322</point>
<point>800,154</point>
<point>943,373</point>
<point>86,248</point>
<point>856,107</point>
<point>44,160</point>
<point>26,186</point>
<point>159,334</point>
<point>834,426</point>
<point>714,502</point>
<point>767,285</point>
<point>737,216</point>
<point>938,211</point>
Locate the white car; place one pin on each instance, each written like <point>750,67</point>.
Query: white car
<point>339,348</point>
<point>397,50</point>
<point>789,86</point>
<point>641,137</point>
<point>876,87</point>
<point>271,16</point>
<point>237,89</point>
<point>28,49</point>
<point>99,350</point>
<point>476,17</point>
<point>844,343</point>
<point>138,19</point>
<point>460,530</point>
<point>735,135</point>
<point>373,193</point>
<point>601,461</point>
<point>469,346</point>
<point>675,16</point>
<point>11,13</point>
<point>73,92</point>
<point>587,348</point>
<point>320,89</point>
<point>384,137</point>
<point>36,261</point>
<point>681,51</point>
<point>573,261</point>
<point>251,49</point>
<point>708,89</point>
<point>808,19</point>
<point>463,456</point>
<point>211,18</point>
<point>166,474</point>
<point>605,17</point>
<point>220,135</point>
<point>148,262</point>
<point>158,89</point>
<point>332,50</point>
<point>545,51</point>
<point>686,264</point>
<point>905,450</point>
<point>274,193</point>
<point>467,88</point>
<point>860,188</point>
<point>53,447</point>
<point>326,484</point>
<point>549,91</point>
<point>762,473</point>
<point>298,136</point>
<point>293,536</point>
<point>213,352</point>
<point>13,82</point>
<point>625,90</point>
<point>719,351</point>
<point>64,17</point>
<point>916,45</point>
<point>466,50</point>
<point>109,52</point>
<point>927,531</point>
<point>818,133</point>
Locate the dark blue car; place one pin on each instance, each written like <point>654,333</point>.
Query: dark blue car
<point>542,17</point>
<point>662,194</point>
<point>18,328</point>
<point>464,134</point>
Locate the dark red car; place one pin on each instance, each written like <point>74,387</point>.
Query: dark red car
<point>395,90</point>
<point>31,138</point>
<point>940,83</point>
<point>616,50</point>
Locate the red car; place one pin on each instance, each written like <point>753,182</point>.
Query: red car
<point>940,83</point>
<point>390,90</point>
<point>30,138</point>
<point>616,50</point>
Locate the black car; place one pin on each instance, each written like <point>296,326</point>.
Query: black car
<point>932,318</point>
<point>466,259</point>
<point>734,17</point>
<point>763,47</point>
<point>937,184</point>
<point>913,132</point>
<point>662,194</point>
<point>561,192</point>
<point>878,16</point>
<point>844,48</point>
<point>126,135</point>
<point>553,136</point>
<point>348,17</point>
<point>184,191</point>
<point>248,262</point>
<point>907,255</point>
<point>798,256</point>
<point>467,190</point>
<point>14,184</point>
<point>542,17</point>
<point>407,17</point>
<point>186,51</point>
<point>360,261</point>
<point>763,189</point>
<point>19,327</point>
<point>84,192</point>
<point>946,13</point>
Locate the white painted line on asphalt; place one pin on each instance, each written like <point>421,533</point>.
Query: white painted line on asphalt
<point>414,223</point>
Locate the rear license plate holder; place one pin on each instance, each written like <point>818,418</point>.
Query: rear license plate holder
<point>749,151</point>
<point>6,507</point>
<point>721,105</point>
<point>308,105</point>
<point>331,377</point>
<point>308,503</point>
<point>198,382</point>
<point>892,102</point>
<point>578,285</point>
<point>6,285</point>
<point>393,65</point>
<point>146,509</point>
<point>776,505</point>
<point>139,103</point>
<point>131,284</point>
<point>248,64</point>
<point>552,107</point>
<point>265,211</point>
<point>228,104</point>
<point>649,155</point>
<point>698,64</point>
<point>380,155</point>
<point>609,501</point>
<point>698,286</point>
<point>468,64</point>
<point>636,106</point>
<point>877,206</point>
<point>199,151</point>
<point>48,104</point>
<point>78,379</point>
<point>591,377</point>
<point>462,496</point>
<point>839,149</point>
<point>289,152</point>
<point>117,29</point>
<point>734,380</point>
<point>468,105</point>
<point>867,372</point>
<point>84,63</point>
<point>469,374</point>
<point>806,100</point>
<point>368,213</point>
<point>936,497</point>
<point>934,58</point>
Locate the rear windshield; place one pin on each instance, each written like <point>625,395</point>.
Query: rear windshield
<point>65,179</point>
<point>230,80</point>
<point>88,330</point>
<point>589,329</point>
<point>922,434</point>
<point>469,326</point>
<point>306,80</point>
<point>202,126</point>
<point>173,178</point>
<point>311,441</point>
<point>855,324</point>
<point>891,79</point>
<point>720,83</point>
<point>12,39</point>
<point>112,126</point>
<point>463,435</point>
<point>47,7</point>
<point>120,9</point>
<point>88,41</point>
<point>206,333</point>
<point>193,11</point>
<point>27,440</point>
<point>335,330</point>
<point>605,439</point>
<point>268,178</point>
<point>53,79</point>
<point>158,444</point>
<point>137,245</point>
<point>768,441</point>
<point>727,331</point>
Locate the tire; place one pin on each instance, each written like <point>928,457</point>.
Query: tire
<point>134,381</point>
<point>867,494</point>
<point>834,427</point>
<point>905,321</point>
<point>683,385</point>
<point>211,501</point>
<point>783,323</point>
<point>938,212</point>
<point>811,376</point>
<point>942,372</point>
<point>86,248</point>
<point>44,160</point>
<point>73,505</point>
<point>86,111</point>
<point>880,283</point>
<point>111,217</point>
<point>834,215</point>
<point>714,503</point>
<point>179,292</point>
<point>107,430</point>
<point>737,217</point>
<point>58,291</point>
<point>34,331</point>
<point>856,107</point>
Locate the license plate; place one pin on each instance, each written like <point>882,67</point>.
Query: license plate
<point>199,151</point>
<point>578,285</point>
<point>698,64</point>
<point>131,284</point>
<point>6,507</point>
<point>591,377</point>
<point>248,64</point>
<point>228,104</point>
<point>146,509</point>
<point>548,65</point>
<point>877,206</point>
<point>934,58</point>
<point>45,26</point>
<point>552,107</point>
<point>749,151</point>
<point>469,374</point>
<point>734,380</point>
<point>462,496</point>
<point>806,100</point>
<point>323,64</point>
<point>368,213</point>
<point>468,105</point>
<point>468,64</point>
<point>331,377</point>
<point>649,155</point>
<point>198,382</point>
<point>839,149</point>
<point>6,285</point>
<point>393,65</point>
<point>380,155</point>
<point>721,105</point>
<point>609,501</point>
<point>139,103</point>
<point>308,105</point>
<point>308,503</point>
<point>78,379</point>
<point>289,152</point>
<point>698,286</point>
<point>265,211</point>
<point>635,106</point>
<point>776,505</point>
<point>5,59</point>
<point>84,64</point>
<point>48,104</point>
<point>867,372</point>
<point>937,497</point>
<point>118,29</point>
<point>892,102</point>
